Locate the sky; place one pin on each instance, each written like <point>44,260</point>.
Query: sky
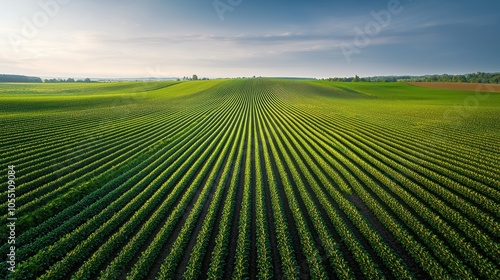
<point>236,38</point>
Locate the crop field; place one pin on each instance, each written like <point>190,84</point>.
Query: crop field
<point>250,178</point>
<point>460,86</point>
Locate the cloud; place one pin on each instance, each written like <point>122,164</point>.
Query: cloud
<point>110,39</point>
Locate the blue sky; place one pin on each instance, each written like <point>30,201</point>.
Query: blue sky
<point>231,38</point>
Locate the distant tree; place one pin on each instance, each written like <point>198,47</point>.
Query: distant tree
<point>473,80</point>
<point>433,78</point>
<point>178,79</point>
<point>444,78</point>
<point>70,80</point>
<point>6,78</point>
<point>481,77</point>
<point>195,78</point>
<point>458,79</point>
<point>356,79</point>
<point>87,80</point>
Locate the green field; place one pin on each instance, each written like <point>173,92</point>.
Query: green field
<point>251,178</point>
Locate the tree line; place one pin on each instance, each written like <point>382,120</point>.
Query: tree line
<point>69,80</point>
<point>5,78</point>
<point>479,77</point>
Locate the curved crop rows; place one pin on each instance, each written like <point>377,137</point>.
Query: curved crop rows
<point>250,178</point>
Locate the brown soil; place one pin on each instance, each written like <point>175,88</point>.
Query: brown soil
<point>459,86</point>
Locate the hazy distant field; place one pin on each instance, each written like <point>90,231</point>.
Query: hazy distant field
<point>254,178</point>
